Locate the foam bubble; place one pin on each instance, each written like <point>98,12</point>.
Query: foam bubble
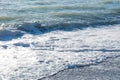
<point>34,56</point>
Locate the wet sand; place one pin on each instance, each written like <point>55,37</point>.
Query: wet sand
<point>107,70</point>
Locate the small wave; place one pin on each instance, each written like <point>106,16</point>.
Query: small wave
<point>68,7</point>
<point>6,34</point>
<point>117,10</point>
<point>29,27</point>
<point>79,21</point>
<point>10,19</point>
<point>7,18</point>
<point>111,1</point>
<point>35,27</point>
<point>87,20</point>
<point>39,27</point>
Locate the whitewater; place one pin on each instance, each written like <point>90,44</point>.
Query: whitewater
<point>39,38</point>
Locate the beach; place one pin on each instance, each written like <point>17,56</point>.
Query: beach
<point>59,40</point>
<point>106,70</point>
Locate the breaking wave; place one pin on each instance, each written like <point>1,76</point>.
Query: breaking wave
<point>41,38</point>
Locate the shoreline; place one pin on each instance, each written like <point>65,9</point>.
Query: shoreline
<point>107,70</point>
<point>32,57</point>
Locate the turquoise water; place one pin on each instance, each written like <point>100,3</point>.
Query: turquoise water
<point>88,12</point>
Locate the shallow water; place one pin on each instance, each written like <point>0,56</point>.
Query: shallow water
<point>39,38</point>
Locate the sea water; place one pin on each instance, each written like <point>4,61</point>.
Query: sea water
<point>39,38</point>
<point>72,11</point>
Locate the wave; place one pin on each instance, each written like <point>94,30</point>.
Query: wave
<point>37,26</point>
<point>64,38</point>
<point>8,32</point>
<point>62,7</point>
<point>111,2</point>
<point>34,27</point>
<point>37,56</point>
<point>8,18</point>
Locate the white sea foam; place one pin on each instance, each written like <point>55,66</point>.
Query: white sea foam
<point>33,56</point>
<point>40,38</point>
